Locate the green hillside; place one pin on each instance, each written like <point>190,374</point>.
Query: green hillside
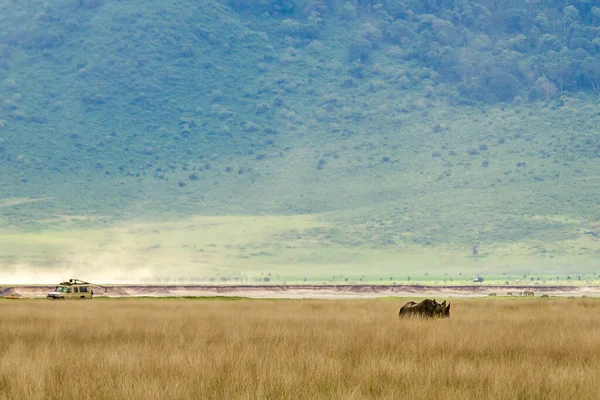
<point>326,141</point>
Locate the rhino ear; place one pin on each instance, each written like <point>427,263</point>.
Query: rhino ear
<point>448,308</point>
<point>434,302</point>
<point>443,303</point>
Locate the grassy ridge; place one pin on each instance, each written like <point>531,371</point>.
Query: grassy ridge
<point>298,349</point>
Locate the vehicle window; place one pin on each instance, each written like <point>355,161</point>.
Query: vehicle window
<point>83,289</point>
<point>69,290</point>
<point>76,289</point>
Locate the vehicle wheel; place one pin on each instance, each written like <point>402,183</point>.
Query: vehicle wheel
<point>82,297</point>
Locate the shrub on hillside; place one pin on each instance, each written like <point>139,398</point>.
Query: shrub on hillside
<point>316,47</point>
<point>290,26</point>
<point>371,33</point>
<point>546,88</point>
<point>360,49</point>
<point>376,85</point>
<point>348,12</point>
<point>314,25</point>
<point>221,112</point>
<point>262,108</point>
<point>264,6</point>
<point>403,82</point>
<point>89,3</point>
<point>250,126</point>
<point>317,6</point>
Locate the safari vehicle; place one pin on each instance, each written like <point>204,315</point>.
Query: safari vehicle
<point>73,289</point>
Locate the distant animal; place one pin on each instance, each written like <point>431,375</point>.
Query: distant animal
<point>509,294</point>
<point>584,297</point>
<point>528,293</point>
<point>426,308</point>
<point>492,294</point>
<point>545,296</point>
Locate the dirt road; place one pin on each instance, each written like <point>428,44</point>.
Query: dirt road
<point>309,291</point>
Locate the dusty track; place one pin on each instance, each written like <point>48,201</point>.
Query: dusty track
<point>308,291</point>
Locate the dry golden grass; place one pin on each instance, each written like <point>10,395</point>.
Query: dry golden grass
<point>261,349</point>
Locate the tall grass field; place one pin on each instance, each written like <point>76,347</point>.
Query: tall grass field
<point>306,349</point>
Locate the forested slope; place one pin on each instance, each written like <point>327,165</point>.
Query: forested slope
<point>439,127</point>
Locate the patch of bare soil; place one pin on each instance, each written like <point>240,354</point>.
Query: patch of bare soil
<point>310,291</point>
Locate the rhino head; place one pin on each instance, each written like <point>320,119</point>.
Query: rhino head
<point>442,310</point>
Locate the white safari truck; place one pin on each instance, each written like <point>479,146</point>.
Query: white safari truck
<point>73,289</point>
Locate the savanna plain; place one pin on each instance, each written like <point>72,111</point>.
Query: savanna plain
<point>298,349</point>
